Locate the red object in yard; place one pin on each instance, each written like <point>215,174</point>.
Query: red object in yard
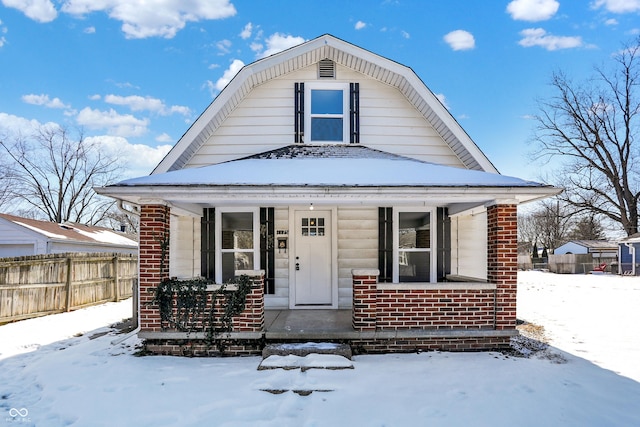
<point>601,267</point>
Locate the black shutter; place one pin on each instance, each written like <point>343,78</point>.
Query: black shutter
<point>354,113</point>
<point>207,244</point>
<point>385,244</point>
<point>443,253</point>
<point>267,249</point>
<point>298,123</point>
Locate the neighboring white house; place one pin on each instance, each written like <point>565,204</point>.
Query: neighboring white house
<point>324,164</point>
<point>629,255</point>
<point>23,236</point>
<point>597,248</point>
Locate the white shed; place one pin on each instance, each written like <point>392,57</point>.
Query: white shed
<point>598,248</point>
<point>24,236</point>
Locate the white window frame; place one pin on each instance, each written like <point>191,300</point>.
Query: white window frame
<point>344,87</point>
<point>433,273</point>
<point>218,238</point>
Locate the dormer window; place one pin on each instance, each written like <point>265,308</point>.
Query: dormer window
<point>326,106</point>
<point>327,112</point>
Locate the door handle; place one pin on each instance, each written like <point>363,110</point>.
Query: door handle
<point>297,266</point>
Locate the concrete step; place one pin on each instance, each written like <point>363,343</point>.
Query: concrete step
<point>306,356</point>
<point>304,349</point>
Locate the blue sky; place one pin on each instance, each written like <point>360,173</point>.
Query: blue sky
<point>136,74</point>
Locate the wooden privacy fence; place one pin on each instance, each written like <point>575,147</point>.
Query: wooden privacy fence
<point>33,286</point>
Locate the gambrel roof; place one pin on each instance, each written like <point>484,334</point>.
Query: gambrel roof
<point>347,55</point>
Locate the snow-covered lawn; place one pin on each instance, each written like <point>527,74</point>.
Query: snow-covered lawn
<point>52,376</point>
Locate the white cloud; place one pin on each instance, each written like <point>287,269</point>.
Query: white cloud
<point>229,73</point>
<point>617,6</point>
<point>442,99</point>
<point>539,37</point>
<point>611,21</point>
<point>152,18</point>
<point>15,125</point>
<point>164,137</point>
<point>38,10</point>
<point>115,124</point>
<point>360,25</point>
<point>246,31</point>
<point>256,47</point>
<point>406,35</point>
<point>89,30</point>
<point>460,40</point>
<point>43,100</point>
<point>532,10</point>
<point>3,30</point>
<point>223,46</point>
<point>147,103</point>
<point>278,42</point>
<point>139,159</point>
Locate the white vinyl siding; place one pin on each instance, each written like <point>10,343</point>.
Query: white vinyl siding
<point>469,245</point>
<point>280,299</point>
<point>263,121</point>
<point>184,247</point>
<point>357,247</point>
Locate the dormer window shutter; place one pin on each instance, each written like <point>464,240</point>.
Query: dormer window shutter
<point>354,113</point>
<point>298,125</point>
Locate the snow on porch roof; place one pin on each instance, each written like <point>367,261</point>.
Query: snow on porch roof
<point>329,165</point>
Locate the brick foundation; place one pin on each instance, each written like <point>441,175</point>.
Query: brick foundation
<point>410,345</point>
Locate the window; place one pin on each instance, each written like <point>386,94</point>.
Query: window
<point>330,112</point>
<point>413,241</point>
<point>327,105</point>
<point>243,239</point>
<point>238,242</point>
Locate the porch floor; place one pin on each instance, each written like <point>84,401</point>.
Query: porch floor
<point>308,324</point>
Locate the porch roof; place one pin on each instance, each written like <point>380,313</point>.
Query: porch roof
<point>330,174</point>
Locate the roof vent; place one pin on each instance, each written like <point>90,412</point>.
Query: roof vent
<point>326,69</point>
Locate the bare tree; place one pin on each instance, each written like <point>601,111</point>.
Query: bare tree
<point>548,226</point>
<point>593,127</point>
<point>587,227</point>
<point>54,174</point>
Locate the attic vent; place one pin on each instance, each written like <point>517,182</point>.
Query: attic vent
<point>326,69</point>
<point>66,227</point>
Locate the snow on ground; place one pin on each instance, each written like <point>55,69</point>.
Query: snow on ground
<point>596,317</point>
<point>51,376</point>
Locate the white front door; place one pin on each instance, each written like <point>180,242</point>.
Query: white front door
<point>312,258</point>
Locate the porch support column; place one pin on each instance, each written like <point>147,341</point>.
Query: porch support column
<point>153,260</point>
<point>502,260</point>
<point>365,289</point>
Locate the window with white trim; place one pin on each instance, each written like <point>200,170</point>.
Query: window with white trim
<point>238,240</point>
<point>327,107</point>
<point>413,243</point>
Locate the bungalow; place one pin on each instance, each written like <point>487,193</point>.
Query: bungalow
<point>24,236</point>
<point>335,179</point>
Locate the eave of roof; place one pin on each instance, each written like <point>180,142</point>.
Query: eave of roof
<point>72,232</point>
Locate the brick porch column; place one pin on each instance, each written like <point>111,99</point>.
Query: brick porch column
<point>365,289</point>
<point>502,261</point>
<point>154,240</point>
<point>252,318</point>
